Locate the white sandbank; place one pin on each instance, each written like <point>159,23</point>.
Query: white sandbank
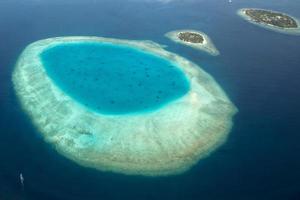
<point>207,45</point>
<point>291,31</point>
<point>164,142</point>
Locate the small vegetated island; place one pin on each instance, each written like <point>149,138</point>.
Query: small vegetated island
<point>271,19</point>
<point>121,105</point>
<point>191,37</point>
<point>194,39</point>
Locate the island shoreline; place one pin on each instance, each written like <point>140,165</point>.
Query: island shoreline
<point>290,31</point>
<point>207,45</point>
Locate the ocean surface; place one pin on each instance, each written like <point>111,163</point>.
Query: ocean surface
<point>114,79</point>
<point>258,69</point>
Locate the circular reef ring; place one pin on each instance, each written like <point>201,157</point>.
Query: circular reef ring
<point>165,141</point>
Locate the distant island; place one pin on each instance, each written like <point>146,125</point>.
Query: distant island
<point>271,19</point>
<point>194,39</point>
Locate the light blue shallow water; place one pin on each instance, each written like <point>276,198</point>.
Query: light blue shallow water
<point>114,79</point>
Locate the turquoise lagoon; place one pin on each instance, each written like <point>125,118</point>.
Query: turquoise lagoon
<point>114,79</point>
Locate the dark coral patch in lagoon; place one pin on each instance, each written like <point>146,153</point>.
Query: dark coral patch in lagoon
<point>114,79</point>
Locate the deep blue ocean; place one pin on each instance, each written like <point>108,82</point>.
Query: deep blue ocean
<point>259,70</point>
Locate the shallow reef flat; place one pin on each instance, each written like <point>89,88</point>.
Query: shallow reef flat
<point>166,141</point>
<point>203,42</point>
<point>271,20</point>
